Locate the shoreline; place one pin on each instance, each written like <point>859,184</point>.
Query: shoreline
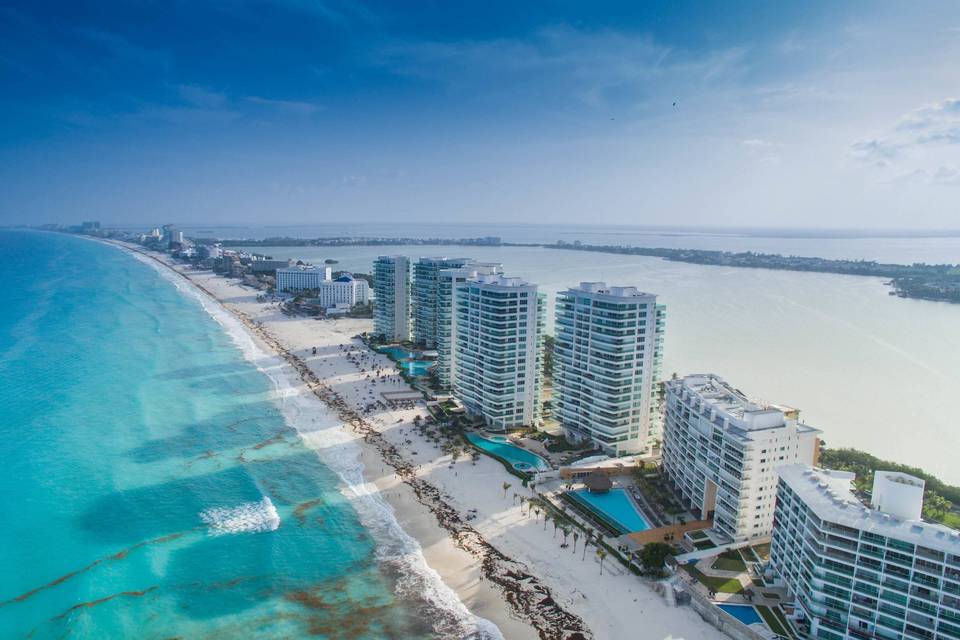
<point>503,566</point>
<point>417,508</point>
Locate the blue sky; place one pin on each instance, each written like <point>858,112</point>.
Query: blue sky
<point>674,113</point>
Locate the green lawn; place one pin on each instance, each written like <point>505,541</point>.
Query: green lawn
<point>729,561</point>
<point>775,620</point>
<point>952,520</point>
<point>720,585</point>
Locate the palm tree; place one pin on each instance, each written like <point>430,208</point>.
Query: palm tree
<point>586,543</point>
<point>515,497</point>
<point>546,516</point>
<point>536,511</point>
<point>565,530</point>
<point>601,553</point>
<point>505,485</point>
<point>556,525</point>
<point>576,536</point>
<point>523,501</point>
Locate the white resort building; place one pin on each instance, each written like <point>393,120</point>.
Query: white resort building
<point>858,572</point>
<point>448,281</point>
<point>302,278</point>
<point>607,360</point>
<point>499,345</point>
<point>343,291</point>
<point>425,279</point>
<point>391,288</point>
<point>721,452</point>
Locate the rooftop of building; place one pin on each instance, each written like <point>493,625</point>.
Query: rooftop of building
<point>443,260</point>
<point>601,288</point>
<point>829,493</point>
<point>472,270</point>
<point>733,410</point>
<point>303,267</point>
<point>500,280</point>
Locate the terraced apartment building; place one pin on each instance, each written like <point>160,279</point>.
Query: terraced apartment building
<point>859,572</point>
<point>391,305</point>
<point>721,452</point>
<point>448,281</point>
<point>607,360</point>
<point>499,350</point>
<point>426,272</point>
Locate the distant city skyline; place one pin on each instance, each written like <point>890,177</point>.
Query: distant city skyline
<point>722,115</point>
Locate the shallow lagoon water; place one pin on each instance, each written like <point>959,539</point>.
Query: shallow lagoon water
<point>865,367</point>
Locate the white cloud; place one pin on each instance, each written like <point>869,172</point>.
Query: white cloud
<point>932,124</point>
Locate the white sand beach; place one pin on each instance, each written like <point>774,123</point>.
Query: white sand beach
<point>613,605</point>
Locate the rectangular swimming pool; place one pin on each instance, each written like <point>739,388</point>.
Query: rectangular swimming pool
<point>520,459</point>
<point>743,612</point>
<point>615,506</point>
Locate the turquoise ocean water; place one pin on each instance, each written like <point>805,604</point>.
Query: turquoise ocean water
<point>152,488</point>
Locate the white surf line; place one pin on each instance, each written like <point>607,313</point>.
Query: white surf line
<point>340,452</point>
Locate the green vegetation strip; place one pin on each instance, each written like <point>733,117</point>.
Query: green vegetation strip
<point>720,585</point>
<point>777,623</point>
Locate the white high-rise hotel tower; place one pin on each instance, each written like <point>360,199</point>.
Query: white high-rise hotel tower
<point>721,452</point>
<point>391,287</point>
<point>449,282</point>
<point>499,345</point>
<point>606,365</point>
<point>425,297</point>
<point>858,571</point>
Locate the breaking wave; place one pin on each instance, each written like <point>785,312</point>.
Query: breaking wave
<point>249,517</point>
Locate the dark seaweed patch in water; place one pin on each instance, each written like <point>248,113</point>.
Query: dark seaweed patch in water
<point>248,424</point>
<point>330,615</point>
<point>300,513</point>
<point>99,601</point>
<point>119,555</point>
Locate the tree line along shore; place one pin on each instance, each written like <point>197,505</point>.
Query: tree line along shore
<point>938,282</point>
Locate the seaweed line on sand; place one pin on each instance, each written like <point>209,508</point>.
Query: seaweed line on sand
<point>524,593</point>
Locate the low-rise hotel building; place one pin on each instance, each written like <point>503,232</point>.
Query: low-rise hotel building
<point>448,281</point>
<point>863,572</point>
<point>391,289</point>
<point>301,278</point>
<point>721,452</point>
<point>607,360</point>
<point>426,273</point>
<point>344,291</point>
<point>499,345</point>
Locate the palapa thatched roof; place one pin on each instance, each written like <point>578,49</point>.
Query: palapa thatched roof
<point>598,483</point>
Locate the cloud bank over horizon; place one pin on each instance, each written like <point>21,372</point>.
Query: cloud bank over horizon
<point>693,114</point>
